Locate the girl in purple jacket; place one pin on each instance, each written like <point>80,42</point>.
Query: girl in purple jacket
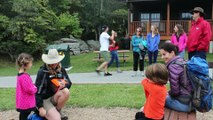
<point>180,88</point>
<point>179,39</point>
<point>25,89</point>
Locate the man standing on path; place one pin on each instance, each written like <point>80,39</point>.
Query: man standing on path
<point>104,49</point>
<point>199,36</point>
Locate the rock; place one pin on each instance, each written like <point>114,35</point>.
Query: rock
<point>83,45</point>
<point>69,40</point>
<point>93,45</point>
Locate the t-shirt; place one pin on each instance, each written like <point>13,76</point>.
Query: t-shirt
<point>104,41</point>
<point>155,99</point>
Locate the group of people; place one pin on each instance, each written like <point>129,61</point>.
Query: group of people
<point>180,94</point>
<point>51,90</point>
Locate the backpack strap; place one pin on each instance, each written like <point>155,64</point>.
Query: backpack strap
<point>42,83</point>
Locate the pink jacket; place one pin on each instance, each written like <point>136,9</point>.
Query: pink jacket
<point>25,92</point>
<point>182,41</point>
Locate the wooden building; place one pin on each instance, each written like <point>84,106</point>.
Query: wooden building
<point>165,14</point>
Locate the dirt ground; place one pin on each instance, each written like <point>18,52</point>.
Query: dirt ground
<point>98,114</point>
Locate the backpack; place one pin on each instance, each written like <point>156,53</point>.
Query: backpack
<point>197,71</point>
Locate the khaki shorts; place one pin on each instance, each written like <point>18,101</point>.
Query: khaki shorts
<point>49,103</point>
<point>105,55</point>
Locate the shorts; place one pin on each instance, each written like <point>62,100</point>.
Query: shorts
<point>105,55</point>
<point>49,103</point>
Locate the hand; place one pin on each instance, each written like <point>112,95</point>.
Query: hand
<point>113,32</point>
<point>42,112</point>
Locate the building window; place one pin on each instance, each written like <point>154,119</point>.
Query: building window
<point>186,16</point>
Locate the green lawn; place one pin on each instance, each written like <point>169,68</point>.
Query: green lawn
<point>107,95</point>
<point>80,63</point>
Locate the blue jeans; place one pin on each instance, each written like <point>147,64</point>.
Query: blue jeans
<point>201,54</point>
<point>182,54</point>
<point>114,56</point>
<point>176,105</point>
<point>152,54</point>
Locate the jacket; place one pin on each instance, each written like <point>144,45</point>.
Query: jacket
<point>199,36</point>
<point>181,43</point>
<point>25,93</point>
<point>44,88</point>
<point>152,42</point>
<point>178,86</point>
<point>155,100</point>
<point>136,41</point>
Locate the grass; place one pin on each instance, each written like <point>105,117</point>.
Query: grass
<point>107,95</point>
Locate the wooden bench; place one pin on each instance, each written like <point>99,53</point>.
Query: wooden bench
<point>122,56</point>
<point>174,115</point>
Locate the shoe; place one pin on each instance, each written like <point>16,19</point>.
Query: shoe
<point>142,74</point>
<point>135,74</point>
<point>107,74</point>
<point>98,72</point>
<point>63,116</point>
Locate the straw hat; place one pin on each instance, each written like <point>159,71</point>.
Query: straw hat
<point>52,57</point>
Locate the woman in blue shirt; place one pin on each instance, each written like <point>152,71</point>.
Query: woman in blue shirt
<point>153,40</point>
<point>138,44</point>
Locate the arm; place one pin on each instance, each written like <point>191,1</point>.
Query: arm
<point>69,84</point>
<point>175,72</point>
<point>207,34</point>
<point>172,39</point>
<point>112,37</point>
<point>145,86</point>
<point>133,42</point>
<point>27,85</point>
<point>39,99</point>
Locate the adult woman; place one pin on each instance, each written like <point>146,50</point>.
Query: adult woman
<point>180,87</point>
<point>138,41</point>
<point>51,96</point>
<point>153,40</point>
<point>179,39</point>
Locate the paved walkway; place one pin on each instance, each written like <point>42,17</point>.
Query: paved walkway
<point>84,78</point>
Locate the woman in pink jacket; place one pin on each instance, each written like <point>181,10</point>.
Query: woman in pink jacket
<point>179,39</point>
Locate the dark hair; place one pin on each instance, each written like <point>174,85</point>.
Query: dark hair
<point>23,60</point>
<point>103,28</point>
<point>157,73</point>
<point>169,47</point>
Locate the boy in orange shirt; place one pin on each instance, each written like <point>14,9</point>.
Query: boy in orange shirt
<point>155,92</point>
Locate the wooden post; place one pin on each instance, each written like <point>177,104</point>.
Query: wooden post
<point>189,25</point>
<point>129,22</point>
<point>148,26</point>
<point>168,19</point>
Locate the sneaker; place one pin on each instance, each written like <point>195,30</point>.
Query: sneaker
<point>63,116</point>
<point>135,74</point>
<point>98,71</point>
<point>107,74</point>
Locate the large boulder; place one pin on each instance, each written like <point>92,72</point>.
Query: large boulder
<point>83,46</point>
<point>93,45</point>
<point>74,48</point>
<point>69,40</point>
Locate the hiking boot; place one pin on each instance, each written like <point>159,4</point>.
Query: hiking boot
<point>107,74</point>
<point>63,116</point>
<point>98,72</point>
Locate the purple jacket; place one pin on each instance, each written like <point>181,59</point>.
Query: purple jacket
<point>176,78</point>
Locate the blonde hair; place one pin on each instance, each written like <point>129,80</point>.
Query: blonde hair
<point>53,71</point>
<point>155,29</point>
<point>157,73</point>
<point>23,60</point>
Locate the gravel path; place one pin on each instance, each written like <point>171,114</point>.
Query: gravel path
<point>98,114</point>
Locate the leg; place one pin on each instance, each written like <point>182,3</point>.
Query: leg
<point>53,114</point>
<point>141,63</point>
<point>116,59</point>
<point>176,105</point>
<point>150,57</point>
<point>61,97</point>
<point>135,59</point>
<point>23,115</point>
<point>112,58</point>
<point>155,56</point>
<point>201,54</point>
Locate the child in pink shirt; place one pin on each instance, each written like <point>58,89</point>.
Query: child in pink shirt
<point>25,89</point>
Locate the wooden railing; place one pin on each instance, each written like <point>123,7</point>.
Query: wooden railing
<point>162,26</point>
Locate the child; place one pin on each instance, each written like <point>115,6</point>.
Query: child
<point>113,47</point>
<point>179,95</point>
<point>155,92</point>
<point>25,89</point>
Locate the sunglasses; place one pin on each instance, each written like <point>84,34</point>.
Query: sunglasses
<point>139,31</point>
